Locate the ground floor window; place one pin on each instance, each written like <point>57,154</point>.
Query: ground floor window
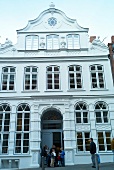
<point>4,127</point>
<point>104,140</point>
<point>22,129</point>
<point>83,143</point>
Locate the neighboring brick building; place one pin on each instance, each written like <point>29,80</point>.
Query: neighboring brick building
<point>111,56</point>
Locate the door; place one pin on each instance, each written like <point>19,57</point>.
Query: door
<point>52,125</point>
<point>47,139</point>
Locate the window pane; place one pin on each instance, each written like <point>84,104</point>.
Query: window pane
<point>71,68</point>
<point>27,69</point>
<point>18,143</point>
<point>34,69</point>
<point>5,69</point>
<point>12,69</point>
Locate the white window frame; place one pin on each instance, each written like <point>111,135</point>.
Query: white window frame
<point>97,81</point>
<point>101,112</point>
<point>8,74</point>
<point>30,74</point>
<point>3,129</point>
<point>52,73</point>
<point>104,138</point>
<point>32,42</point>
<point>53,42</point>
<point>75,77</point>
<point>84,140</point>
<point>73,41</point>
<point>81,111</point>
<point>20,130</point>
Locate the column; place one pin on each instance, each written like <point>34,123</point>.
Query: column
<point>12,130</point>
<point>35,135</point>
<point>69,134</point>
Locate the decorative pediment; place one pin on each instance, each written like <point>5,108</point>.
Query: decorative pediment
<point>97,42</point>
<point>52,19</point>
<point>7,44</point>
<point>98,46</point>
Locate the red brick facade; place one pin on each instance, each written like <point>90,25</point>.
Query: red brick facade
<point>111,51</point>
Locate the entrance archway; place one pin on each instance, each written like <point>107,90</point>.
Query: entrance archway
<point>52,128</point>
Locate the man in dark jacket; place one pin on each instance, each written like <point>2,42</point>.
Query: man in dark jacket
<point>92,151</point>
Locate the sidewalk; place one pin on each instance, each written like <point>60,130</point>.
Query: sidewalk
<point>102,166</point>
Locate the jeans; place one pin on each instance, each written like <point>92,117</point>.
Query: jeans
<point>93,159</point>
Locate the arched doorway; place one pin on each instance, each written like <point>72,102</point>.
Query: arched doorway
<point>52,128</point>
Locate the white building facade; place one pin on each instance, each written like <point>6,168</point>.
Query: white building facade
<point>55,88</point>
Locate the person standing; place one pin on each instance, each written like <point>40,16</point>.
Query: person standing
<point>53,155</point>
<point>62,153</point>
<point>92,151</point>
<point>112,147</point>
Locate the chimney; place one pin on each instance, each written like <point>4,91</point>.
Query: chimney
<point>112,39</point>
<point>92,38</point>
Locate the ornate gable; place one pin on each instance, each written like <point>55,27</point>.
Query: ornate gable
<point>52,19</point>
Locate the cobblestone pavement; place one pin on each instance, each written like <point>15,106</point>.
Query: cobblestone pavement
<point>103,166</point>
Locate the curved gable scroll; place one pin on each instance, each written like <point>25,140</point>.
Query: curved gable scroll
<point>52,19</point>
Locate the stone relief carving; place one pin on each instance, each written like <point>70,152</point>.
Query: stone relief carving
<point>7,43</point>
<point>98,42</point>
<point>63,42</point>
<point>42,43</point>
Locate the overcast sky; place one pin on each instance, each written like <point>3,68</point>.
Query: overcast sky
<point>97,15</point>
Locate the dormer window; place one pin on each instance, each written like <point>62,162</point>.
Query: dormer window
<point>73,41</point>
<point>31,42</point>
<point>52,42</point>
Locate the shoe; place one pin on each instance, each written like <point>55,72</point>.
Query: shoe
<point>93,166</point>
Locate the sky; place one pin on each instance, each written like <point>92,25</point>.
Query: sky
<point>97,15</point>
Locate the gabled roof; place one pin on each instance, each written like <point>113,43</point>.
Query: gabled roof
<point>60,22</point>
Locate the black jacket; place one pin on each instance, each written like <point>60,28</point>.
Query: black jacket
<point>92,148</point>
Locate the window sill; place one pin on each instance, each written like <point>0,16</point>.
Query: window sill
<point>101,123</point>
<point>99,89</point>
<point>29,91</point>
<point>53,90</point>
<point>72,90</point>
<point>82,124</point>
<point>8,91</point>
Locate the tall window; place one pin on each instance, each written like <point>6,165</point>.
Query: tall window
<point>75,77</point>
<point>31,42</point>
<point>97,76</point>
<point>101,112</point>
<point>4,127</point>
<point>52,42</point>
<point>22,129</point>
<point>104,139</point>
<point>81,113</point>
<point>53,77</point>
<point>73,41</point>
<point>31,78</point>
<point>83,143</point>
<point>8,78</point>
